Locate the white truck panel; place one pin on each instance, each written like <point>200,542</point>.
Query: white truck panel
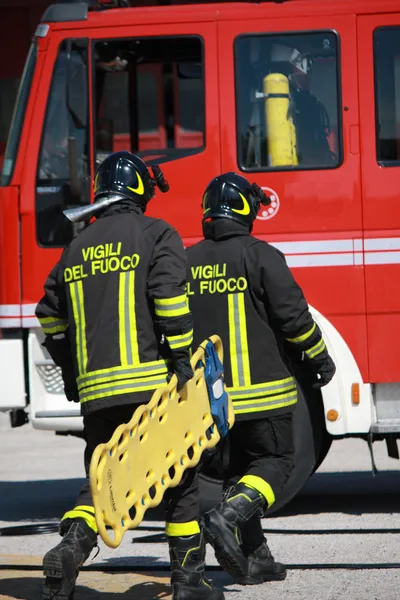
<point>12,375</point>
<point>352,418</point>
<point>49,408</point>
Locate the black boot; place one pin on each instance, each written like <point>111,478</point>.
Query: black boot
<point>262,566</point>
<point>61,564</point>
<point>187,556</point>
<point>223,524</point>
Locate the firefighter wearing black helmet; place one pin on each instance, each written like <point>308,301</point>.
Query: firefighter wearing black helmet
<point>241,288</point>
<point>116,320</point>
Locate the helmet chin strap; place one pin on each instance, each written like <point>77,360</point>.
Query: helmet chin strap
<point>159,179</point>
<point>260,195</point>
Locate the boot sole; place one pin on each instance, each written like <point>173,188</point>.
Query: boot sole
<point>53,588</point>
<point>223,556</point>
<point>262,579</point>
<point>188,593</point>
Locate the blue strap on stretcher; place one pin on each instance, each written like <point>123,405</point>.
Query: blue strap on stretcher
<point>217,394</point>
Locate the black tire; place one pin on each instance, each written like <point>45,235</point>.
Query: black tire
<point>327,440</point>
<point>310,444</point>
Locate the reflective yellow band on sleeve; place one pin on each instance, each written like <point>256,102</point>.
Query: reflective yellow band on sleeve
<point>182,529</point>
<point>261,486</point>
<point>180,341</point>
<point>304,337</point>
<point>171,307</point>
<point>317,349</point>
<point>52,325</point>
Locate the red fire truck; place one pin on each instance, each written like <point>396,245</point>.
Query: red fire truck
<point>301,96</point>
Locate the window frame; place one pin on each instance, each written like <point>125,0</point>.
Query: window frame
<point>382,163</point>
<point>177,154</point>
<point>339,90</point>
<point>19,114</point>
<point>42,134</point>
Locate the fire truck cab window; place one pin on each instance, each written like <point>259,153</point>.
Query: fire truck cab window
<point>387,94</point>
<point>149,97</point>
<point>287,97</point>
<point>62,178</point>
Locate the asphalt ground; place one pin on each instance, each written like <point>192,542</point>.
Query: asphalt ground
<point>340,537</point>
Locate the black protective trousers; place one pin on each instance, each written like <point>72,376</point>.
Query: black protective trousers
<point>181,503</point>
<point>264,448</point>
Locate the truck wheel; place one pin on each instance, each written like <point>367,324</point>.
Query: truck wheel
<point>327,440</point>
<point>309,435</point>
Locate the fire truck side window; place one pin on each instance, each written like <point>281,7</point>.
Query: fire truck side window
<point>149,97</point>
<point>287,97</point>
<point>62,177</point>
<point>387,94</point>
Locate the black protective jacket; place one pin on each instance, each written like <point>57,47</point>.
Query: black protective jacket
<point>115,307</point>
<point>241,288</point>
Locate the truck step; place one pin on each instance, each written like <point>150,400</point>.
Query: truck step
<point>386,426</point>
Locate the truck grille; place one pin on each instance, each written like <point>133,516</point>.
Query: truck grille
<point>51,376</point>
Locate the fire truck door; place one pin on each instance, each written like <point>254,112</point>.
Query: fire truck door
<point>155,104</point>
<point>379,84</point>
<point>300,143</point>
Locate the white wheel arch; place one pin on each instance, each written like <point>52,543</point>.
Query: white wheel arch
<point>337,395</point>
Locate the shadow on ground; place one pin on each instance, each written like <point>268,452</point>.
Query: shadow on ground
<point>351,493</point>
<point>29,588</point>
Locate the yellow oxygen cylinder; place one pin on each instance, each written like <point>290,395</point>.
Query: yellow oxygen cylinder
<point>281,131</point>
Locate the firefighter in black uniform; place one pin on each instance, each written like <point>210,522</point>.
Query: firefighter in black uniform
<point>242,289</point>
<point>117,322</point>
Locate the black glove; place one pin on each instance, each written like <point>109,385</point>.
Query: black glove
<point>181,367</point>
<point>60,351</point>
<point>70,387</point>
<point>325,369</point>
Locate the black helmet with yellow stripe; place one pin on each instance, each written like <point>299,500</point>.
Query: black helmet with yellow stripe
<point>126,175</point>
<point>120,176</point>
<point>231,196</point>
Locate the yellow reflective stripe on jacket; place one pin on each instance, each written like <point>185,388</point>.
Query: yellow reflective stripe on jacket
<point>302,338</point>
<point>116,388</point>
<point>155,364</point>
<point>171,307</point>
<point>51,325</point>
<point>128,343</point>
<point>180,341</point>
<point>263,404</point>
<point>317,349</point>
<point>158,367</point>
<point>78,309</point>
<point>238,345</point>
<point>258,390</point>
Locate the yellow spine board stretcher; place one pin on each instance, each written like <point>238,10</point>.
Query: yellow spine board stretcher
<point>281,131</point>
<point>131,472</point>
